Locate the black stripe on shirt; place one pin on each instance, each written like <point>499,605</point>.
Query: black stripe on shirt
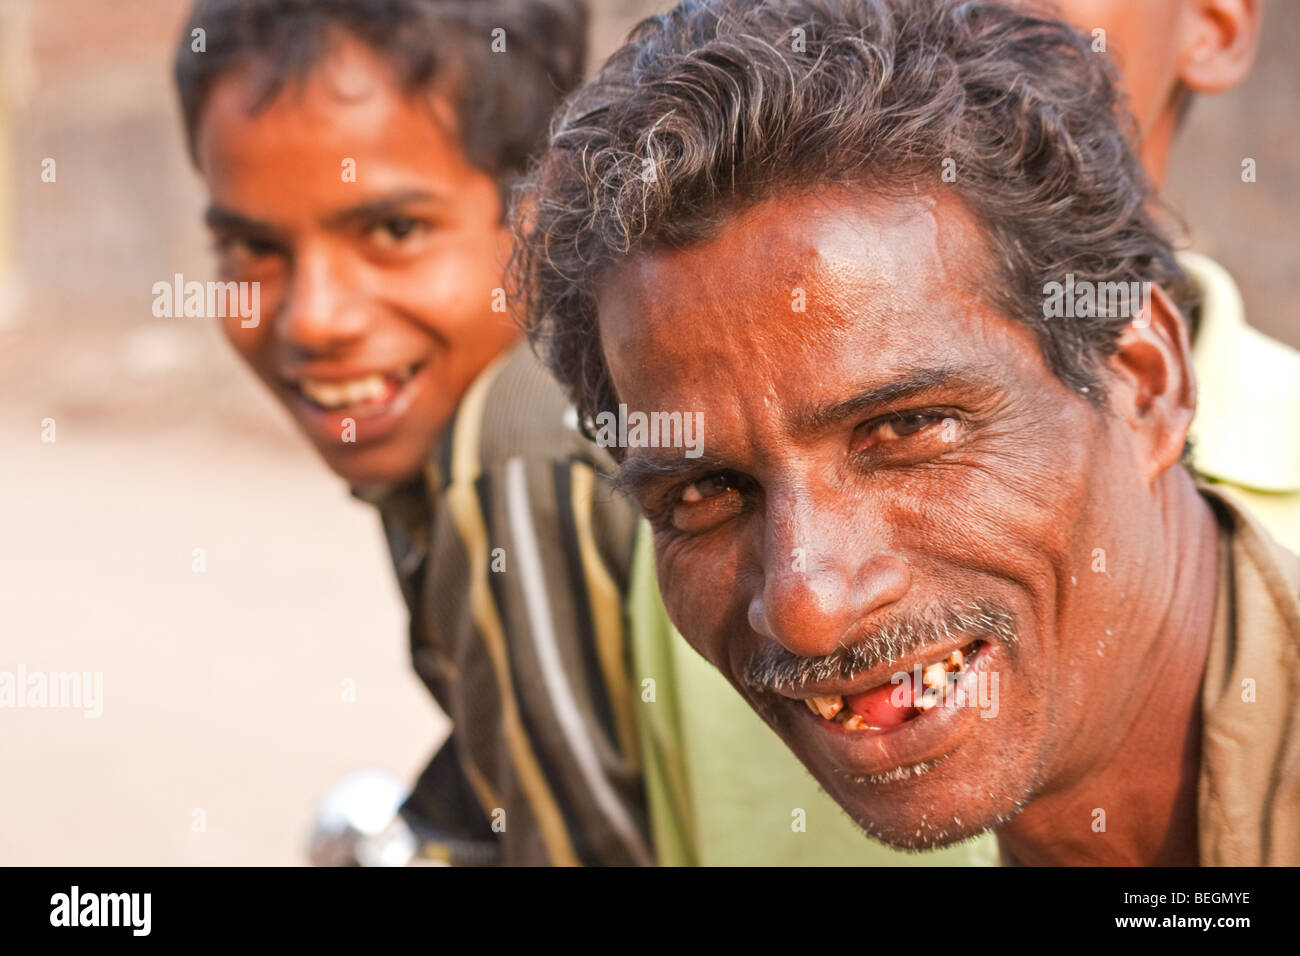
<point>598,692</point>
<point>555,779</point>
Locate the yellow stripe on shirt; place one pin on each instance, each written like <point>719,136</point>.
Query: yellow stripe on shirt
<point>606,616</point>
<point>463,503</point>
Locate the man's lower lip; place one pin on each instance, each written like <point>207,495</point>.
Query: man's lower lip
<point>345,426</point>
<point>928,736</point>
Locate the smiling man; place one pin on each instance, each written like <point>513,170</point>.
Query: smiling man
<point>945,546</point>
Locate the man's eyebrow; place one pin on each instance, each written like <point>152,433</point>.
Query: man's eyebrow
<point>221,218</point>
<point>380,207</point>
<point>636,473</point>
<point>911,382</point>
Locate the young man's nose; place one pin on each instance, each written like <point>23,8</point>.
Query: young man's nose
<point>323,309</point>
<point>822,577</point>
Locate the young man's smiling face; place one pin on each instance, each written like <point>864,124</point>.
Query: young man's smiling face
<point>889,475</point>
<point>377,295</point>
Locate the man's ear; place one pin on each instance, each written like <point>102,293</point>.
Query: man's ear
<point>1217,44</point>
<point>1156,388</point>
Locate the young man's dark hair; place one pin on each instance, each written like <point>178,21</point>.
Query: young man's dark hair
<point>720,103</point>
<point>503,105</point>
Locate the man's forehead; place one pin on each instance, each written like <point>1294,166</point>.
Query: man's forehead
<point>284,161</point>
<point>789,279</point>
<point>805,256</point>
<point>348,100</point>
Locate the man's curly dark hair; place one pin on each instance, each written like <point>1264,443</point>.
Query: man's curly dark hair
<point>728,102</point>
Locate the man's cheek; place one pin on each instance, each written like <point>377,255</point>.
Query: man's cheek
<point>691,591</point>
<point>252,341</point>
<point>457,282</point>
<point>246,341</point>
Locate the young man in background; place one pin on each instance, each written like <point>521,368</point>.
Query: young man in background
<point>358,156</point>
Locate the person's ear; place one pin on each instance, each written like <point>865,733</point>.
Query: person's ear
<point>1156,388</point>
<point>1218,44</point>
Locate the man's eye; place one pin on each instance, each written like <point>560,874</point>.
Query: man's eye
<point>396,232</point>
<point>245,249</point>
<point>708,502</point>
<point>897,427</point>
<point>709,487</point>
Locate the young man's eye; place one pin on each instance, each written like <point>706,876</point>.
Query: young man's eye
<point>243,250</point>
<point>396,233</point>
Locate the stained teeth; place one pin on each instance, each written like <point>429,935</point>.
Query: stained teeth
<point>934,676</point>
<point>828,707</point>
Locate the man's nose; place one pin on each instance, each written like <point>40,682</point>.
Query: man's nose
<point>823,575</point>
<point>324,309</point>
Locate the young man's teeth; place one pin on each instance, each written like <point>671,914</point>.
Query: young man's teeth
<point>340,394</point>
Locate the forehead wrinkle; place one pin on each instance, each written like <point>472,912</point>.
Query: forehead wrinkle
<point>667,303</point>
<point>908,382</point>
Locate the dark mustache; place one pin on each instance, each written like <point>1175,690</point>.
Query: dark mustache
<point>892,641</point>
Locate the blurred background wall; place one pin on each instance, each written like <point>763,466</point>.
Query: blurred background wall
<point>226,691</point>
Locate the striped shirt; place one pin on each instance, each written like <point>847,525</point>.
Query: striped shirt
<point>513,554</point>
